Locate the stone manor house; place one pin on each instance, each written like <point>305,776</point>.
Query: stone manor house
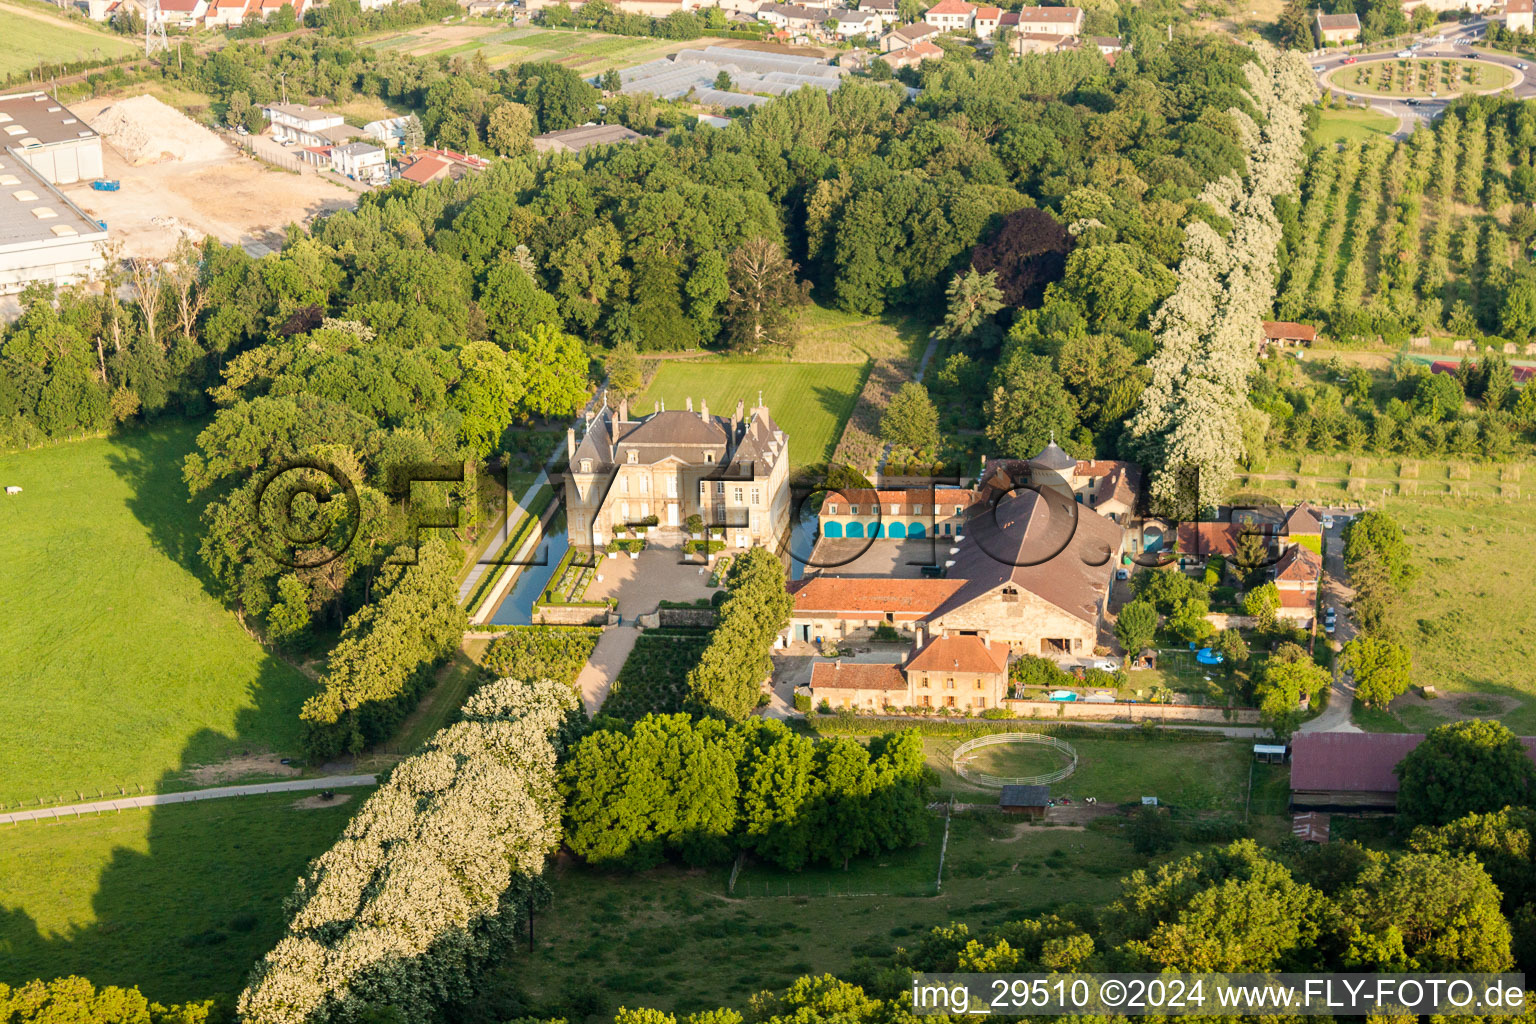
<point>663,468</point>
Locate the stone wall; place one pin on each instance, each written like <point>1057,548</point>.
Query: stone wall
<point>1081,710</point>
<point>699,618</point>
<point>570,615</point>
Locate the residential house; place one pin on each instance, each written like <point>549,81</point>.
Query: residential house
<point>226,13</point>
<point>951,16</point>
<point>1108,46</point>
<point>912,56</point>
<point>904,36</point>
<point>850,24</point>
<point>1336,29</point>
<point>574,140</point>
<point>986,21</point>
<point>424,166</point>
<point>267,8</point>
<point>732,473</point>
<point>795,19</point>
<point>653,8</point>
<point>1281,333</point>
<point>1298,575</point>
<point>1518,16</point>
<point>180,13</point>
<point>484,8</point>
<point>1442,6</point>
<point>1111,488</point>
<point>885,10</point>
<point>966,673</point>
<point>1051,21</point>
<point>388,132</point>
<point>361,161</point>
<point>1022,42</point>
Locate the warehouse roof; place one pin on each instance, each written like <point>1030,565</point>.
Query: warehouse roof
<point>30,118</point>
<point>33,211</point>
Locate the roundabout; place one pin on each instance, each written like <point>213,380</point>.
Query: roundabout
<point>1013,751</point>
<point>1420,78</point>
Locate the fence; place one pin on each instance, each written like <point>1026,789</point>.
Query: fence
<point>997,782</point>
<point>272,155</point>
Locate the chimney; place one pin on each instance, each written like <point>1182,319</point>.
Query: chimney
<point>986,641</point>
<point>704,409</point>
<point>623,410</point>
<point>663,405</point>
<point>570,443</point>
<point>740,414</point>
<point>918,631</point>
<point>690,403</point>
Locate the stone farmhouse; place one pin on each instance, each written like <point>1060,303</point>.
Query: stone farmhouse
<point>964,672</point>
<point>1334,29</point>
<point>1029,571</point>
<point>663,468</point>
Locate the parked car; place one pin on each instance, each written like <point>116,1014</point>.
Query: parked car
<point>1519,67</point>
<point>1318,69</point>
<point>1328,627</point>
<point>1473,56</point>
<point>1122,574</point>
<point>1327,522</point>
<point>1411,102</point>
<point>1404,54</point>
<point>1105,665</point>
<point>1331,613</point>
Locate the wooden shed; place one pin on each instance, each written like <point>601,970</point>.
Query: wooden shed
<point>1028,800</point>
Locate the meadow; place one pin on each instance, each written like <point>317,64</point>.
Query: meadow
<point>1352,124</point>
<point>178,900</point>
<point>1469,620</point>
<point>502,44</point>
<point>36,32</point>
<point>1421,77</point>
<point>810,402</point>
<point>121,666</point>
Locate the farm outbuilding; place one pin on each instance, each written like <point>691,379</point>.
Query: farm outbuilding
<point>1030,801</point>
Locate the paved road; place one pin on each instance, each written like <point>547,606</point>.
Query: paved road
<point>1336,594</point>
<point>1453,44</point>
<point>162,799</point>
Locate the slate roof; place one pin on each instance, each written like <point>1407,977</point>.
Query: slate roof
<point>675,433</point>
<point>1302,521</point>
<point>1054,458</point>
<point>1050,15</point>
<point>1328,22</point>
<point>1024,796</point>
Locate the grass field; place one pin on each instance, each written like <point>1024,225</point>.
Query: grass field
<point>36,32</point>
<point>1420,77</point>
<point>179,901</point>
<point>832,336</point>
<point>1352,125</point>
<point>120,666</point>
<point>502,44</point>
<point>810,402</point>
<point>1206,775</point>
<point>1469,619</point>
<point>689,946</point>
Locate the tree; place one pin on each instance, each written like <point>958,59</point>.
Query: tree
<point>1029,406</point>
<point>1263,602</point>
<point>625,377</point>
<point>723,81</point>
<point>765,298</point>
<point>728,678</point>
<point>288,619</point>
<point>1461,768</point>
<point>1381,669</point>
<point>1026,253</point>
<point>1282,687</point>
<point>513,302</point>
<point>509,128</point>
<point>556,365</point>
<point>1296,25</point>
<point>973,297</point>
<point>1425,912</point>
<point>1188,620</point>
<point>911,420</point>
<point>1136,627</point>
<point>412,135</point>
<point>613,83</point>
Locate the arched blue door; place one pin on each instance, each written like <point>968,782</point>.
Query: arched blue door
<point>832,529</point>
<point>916,530</point>
<point>855,529</point>
<point>877,529</point>
<point>898,530</point>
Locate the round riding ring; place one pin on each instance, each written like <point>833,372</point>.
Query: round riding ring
<point>959,757</point>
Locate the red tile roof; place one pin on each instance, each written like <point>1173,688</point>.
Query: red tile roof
<point>960,654</point>
<point>1201,540</point>
<point>905,599</point>
<point>425,169</point>
<point>1299,563</point>
<point>1297,599</point>
<point>1518,7</point>
<point>952,7</point>
<point>1284,330</point>
<point>852,675</point>
<point>988,13</point>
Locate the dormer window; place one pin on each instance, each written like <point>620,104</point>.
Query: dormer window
<point>634,456</point>
<point>831,510</point>
<point>853,510</point>
<point>586,465</point>
<point>1010,594</point>
<point>917,510</point>
<point>709,457</point>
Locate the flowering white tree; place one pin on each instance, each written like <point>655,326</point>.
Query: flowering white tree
<point>1189,425</point>
<point>429,872</point>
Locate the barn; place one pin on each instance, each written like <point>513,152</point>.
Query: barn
<point>1352,771</point>
<point>1027,800</point>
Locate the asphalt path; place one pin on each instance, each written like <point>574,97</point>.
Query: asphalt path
<point>1455,42</point>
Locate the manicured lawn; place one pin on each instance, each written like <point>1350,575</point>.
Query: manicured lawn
<point>688,946</point>
<point>810,401</point>
<point>1469,618</point>
<point>1199,775</point>
<point>1352,125</point>
<point>180,900</point>
<point>1420,77</point>
<point>832,336</point>
<point>35,32</point>
<point>121,666</point>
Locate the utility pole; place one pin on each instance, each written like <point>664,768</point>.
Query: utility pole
<point>283,76</point>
